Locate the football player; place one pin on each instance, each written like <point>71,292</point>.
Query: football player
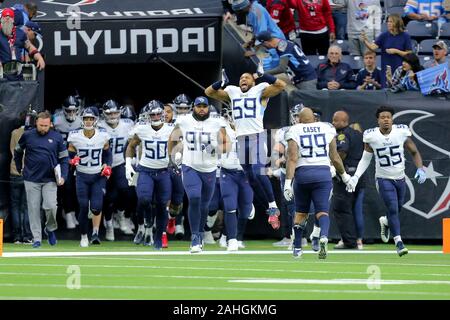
<point>248,102</point>
<point>65,121</point>
<point>311,145</point>
<point>388,142</point>
<point>89,152</point>
<point>117,194</point>
<point>203,139</point>
<point>154,179</point>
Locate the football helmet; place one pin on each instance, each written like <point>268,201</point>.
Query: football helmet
<point>127,112</point>
<point>182,103</point>
<point>71,108</point>
<point>155,113</point>
<point>111,112</point>
<point>89,112</point>
<point>294,113</point>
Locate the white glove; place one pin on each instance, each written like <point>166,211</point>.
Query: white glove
<point>351,184</point>
<point>129,171</point>
<point>178,158</point>
<point>333,171</point>
<point>288,191</point>
<point>345,177</point>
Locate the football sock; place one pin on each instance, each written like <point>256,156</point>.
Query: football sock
<point>231,224</point>
<point>324,223</point>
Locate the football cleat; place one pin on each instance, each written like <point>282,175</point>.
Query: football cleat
<point>273,220</point>
<point>304,242</point>
<point>51,237</point>
<point>179,231</point>
<point>384,232</point>
<point>315,244</point>
<point>171,226</point>
<point>109,233</point>
<point>323,243</point>
<point>164,240</point>
<point>285,242</point>
<point>297,253</point>
<point>196,249</point>
<point>71,222</point>
<point>241,244</point>
<point>95,239</point>
<point>139,238</point>
<point>148,237</point>
<point>359,244</point>
<point>232,245</point>
<point>208,238</point>
<point>223,241</point>
<point>401,249</point>
<point>84,242</point>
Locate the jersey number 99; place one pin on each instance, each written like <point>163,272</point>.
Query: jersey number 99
<point>309,143</point>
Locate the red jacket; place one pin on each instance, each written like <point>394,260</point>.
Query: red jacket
<point>320,18</point>
<point>280,12</point>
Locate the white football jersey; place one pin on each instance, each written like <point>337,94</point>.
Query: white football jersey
<point>313,140</point>
<point>198,135</point>
<point>154,143</point>
<point>230,160</point>
<point>63,126</point>
<point>280,137</point>
<point>118,139</point>
<point>388,150</point>
<point>90,150</point>
<point>248,112</point>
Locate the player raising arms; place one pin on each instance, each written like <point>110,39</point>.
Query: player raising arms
<point>388,142</point>
<point>154,179</point>
<point>204,138</point>
<point>249,102</point>
<point>311,145</point>
<point>89,152</point>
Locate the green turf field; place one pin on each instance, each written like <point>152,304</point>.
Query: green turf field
<point>260,271</point>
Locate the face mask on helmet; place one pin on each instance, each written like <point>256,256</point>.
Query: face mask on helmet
<point>183,104</point>
<point>294,113</point>
<point>183,108</point>
<point>227,114</point>
<point>71,108</point>
<point>111,117</point>
<point>89,119</point>
<point>156,116</point>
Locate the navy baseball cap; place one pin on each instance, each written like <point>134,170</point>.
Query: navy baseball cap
<point>239,5</point>
<point>201,100</point>
<point>264,36</point>
<point>34,26</point>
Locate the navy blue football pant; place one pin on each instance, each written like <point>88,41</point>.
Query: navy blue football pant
<point>199,187</point>
<point>177,188</point>
<point>90,192</point>
<point>393,194</point>
<point>252,153</point>
<point>66,200</point>
<point>286,207</point>
<point>117,192</point>
<point>153,184</point>
<point>237,195</point>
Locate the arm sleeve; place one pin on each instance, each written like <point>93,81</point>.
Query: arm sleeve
<point>107,156</point>
<point>363,164</point>
<point>63,158</point>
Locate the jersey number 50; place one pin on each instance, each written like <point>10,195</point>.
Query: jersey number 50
<point>244,108</point>
<point>155,149</point>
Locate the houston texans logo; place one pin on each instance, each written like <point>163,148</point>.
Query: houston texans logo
<point>71,3</point>
<point>442,203</point>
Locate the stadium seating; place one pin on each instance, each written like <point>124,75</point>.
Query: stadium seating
<point>394,6</point>
<point>444,32</point>
<point>424,58</point>
<point>343,44</point>
<point>419,30</point>
<point>426,46</point>
<point>355,62</point>
<point>316,60</point>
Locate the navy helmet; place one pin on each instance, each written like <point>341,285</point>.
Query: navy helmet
<point>155,112</point>
<point>71,108</point>
<point>182,103</point>
<point>90,112</point>
<point>111,112</point>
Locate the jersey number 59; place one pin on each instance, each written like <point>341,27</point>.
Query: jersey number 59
<point>244,108</point>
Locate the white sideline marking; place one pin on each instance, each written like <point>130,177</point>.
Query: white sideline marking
<point>186,253</point>
<point>339,281</point>
<point>233,289</point>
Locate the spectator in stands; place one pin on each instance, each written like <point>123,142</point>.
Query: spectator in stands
<point>334,74</point>
<point>24,13</point>
<point>440,51</point>
<point>405,78</point>
<point>19,212</point>
<point>316,25</point>
<point>258,20</point>
<point>291,56</point>
<point>339,13</point>
<point>395,43</point>
<point>44,149</point>
<point>227,10</point>
<point>424,10</point>
<point>12,41</point>
<point>362,16</point>
<point>281,13</point>
<point>369,77</point>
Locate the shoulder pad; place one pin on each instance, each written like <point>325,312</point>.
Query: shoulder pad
<point>128,121</point>
<point>170,124</point>
<point>368,131</point>
<point>101,129</point>
<point>401,126</point>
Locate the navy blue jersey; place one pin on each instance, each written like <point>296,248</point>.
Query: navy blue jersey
<point>43,153</point>
<point>298,62</point>
<point>363,73</point>
<point>351,143</point>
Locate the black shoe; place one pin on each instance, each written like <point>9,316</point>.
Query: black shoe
<point>95,239</point>
<point>27,241</point>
